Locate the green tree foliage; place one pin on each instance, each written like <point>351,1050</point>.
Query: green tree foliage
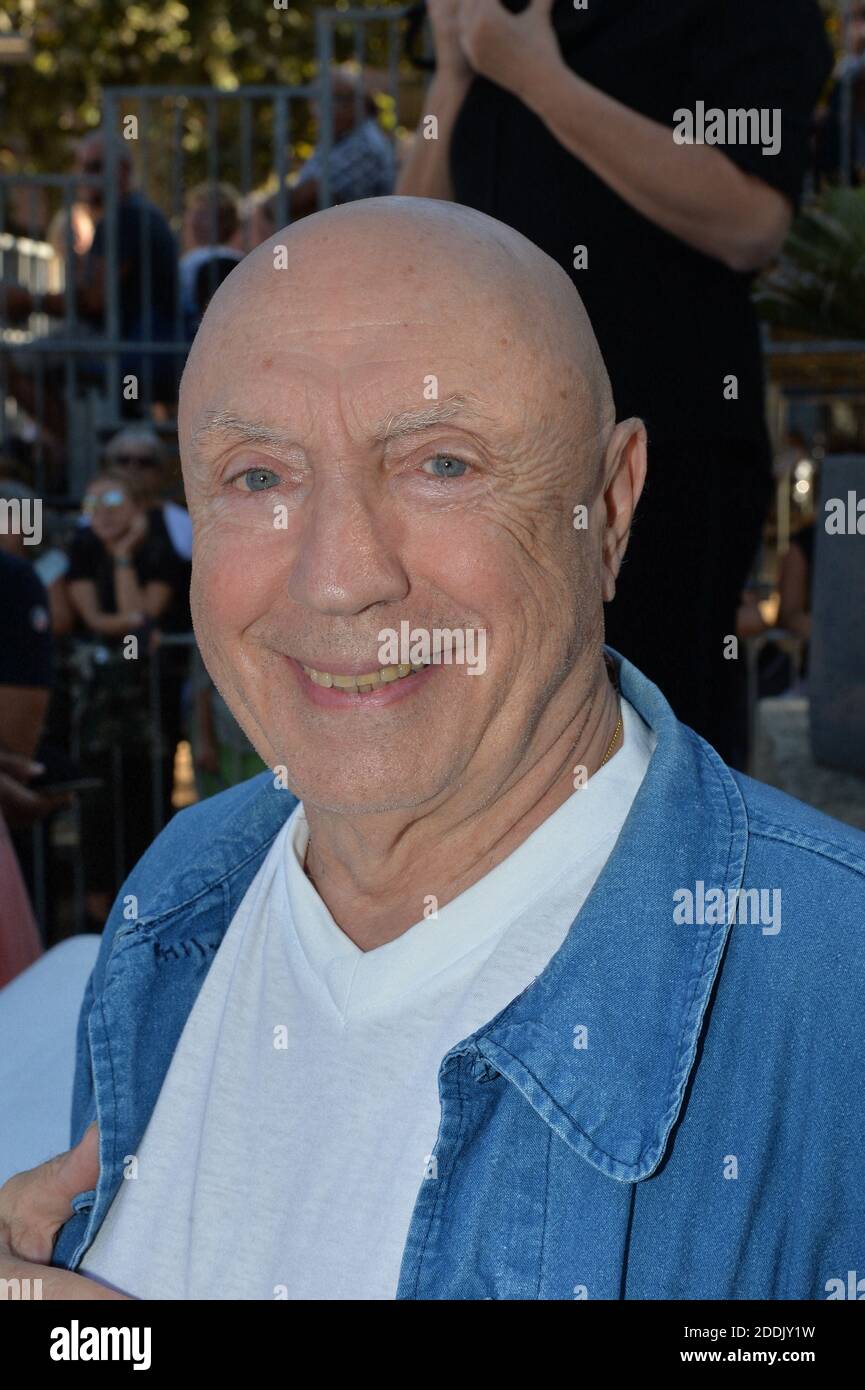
<point>80,46</point>
<point>817,285</point>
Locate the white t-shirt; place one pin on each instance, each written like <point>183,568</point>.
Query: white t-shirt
<point>298,1115</point>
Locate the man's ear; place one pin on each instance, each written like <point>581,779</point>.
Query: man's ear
<point>625,464</point>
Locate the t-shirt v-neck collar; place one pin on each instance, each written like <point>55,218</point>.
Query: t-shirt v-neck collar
<point>361,982</point>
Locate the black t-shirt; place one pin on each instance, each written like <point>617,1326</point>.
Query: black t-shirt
<point>25,625</point>
<point>672,323</point>
<point>154,559</point>
<point>147,254</point>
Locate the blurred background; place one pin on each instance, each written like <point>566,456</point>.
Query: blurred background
<point>145,149</point>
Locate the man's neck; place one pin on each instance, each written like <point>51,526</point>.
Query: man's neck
<point>376,876</point>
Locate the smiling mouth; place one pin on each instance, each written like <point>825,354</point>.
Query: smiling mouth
<point>366,682</point>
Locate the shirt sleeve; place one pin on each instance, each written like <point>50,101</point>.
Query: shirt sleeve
<point>771,56</point>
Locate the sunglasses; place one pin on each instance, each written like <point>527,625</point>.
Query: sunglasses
<point>113,497</point>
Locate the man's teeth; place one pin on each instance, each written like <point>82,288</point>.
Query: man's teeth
<point>370,680</point>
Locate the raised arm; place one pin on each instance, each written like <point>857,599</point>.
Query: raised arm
<point>692,191</point>
<point>425,172</point>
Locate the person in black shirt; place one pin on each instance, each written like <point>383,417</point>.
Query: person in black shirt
<point>26,676</point>
<point>123,570</point>
<point>565,123</point>
<point>147,270</point>
<point>26,654</point>
<point>125,579</point>
<point>136,456</point>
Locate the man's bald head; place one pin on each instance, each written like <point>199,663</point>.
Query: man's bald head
<point>436,255</point>
<point>396,411</point>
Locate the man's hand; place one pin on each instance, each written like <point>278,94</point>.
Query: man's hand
<point>125,545</point>
<point>516,51</point>
<point>33,1207</point>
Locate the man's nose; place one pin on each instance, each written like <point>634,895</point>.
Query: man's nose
<point>347,556</point>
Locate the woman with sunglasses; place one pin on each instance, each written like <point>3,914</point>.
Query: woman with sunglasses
<point>137,451</point>
<point>124,580</point>
<point>114,574</point>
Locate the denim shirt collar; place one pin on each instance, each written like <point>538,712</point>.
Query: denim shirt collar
<point>603,1041</point>
<point>601,1044</point>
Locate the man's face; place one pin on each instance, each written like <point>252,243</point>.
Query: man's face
<point>346,113</point>
<point>309,544</point>
<point>90,160</point>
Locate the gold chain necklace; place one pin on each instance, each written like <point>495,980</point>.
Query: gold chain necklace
<point>616,732</point>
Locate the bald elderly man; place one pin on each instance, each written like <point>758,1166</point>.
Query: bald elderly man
<point>500,984</point>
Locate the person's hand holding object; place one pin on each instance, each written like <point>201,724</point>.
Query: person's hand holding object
<point>33,1207</point>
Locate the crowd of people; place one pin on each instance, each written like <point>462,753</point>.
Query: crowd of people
<point>82,621</point>
<point>163,282</point>
<point>85,613</point>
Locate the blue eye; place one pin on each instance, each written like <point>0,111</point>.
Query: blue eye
<point>450,467</point>
<point>258,479</point>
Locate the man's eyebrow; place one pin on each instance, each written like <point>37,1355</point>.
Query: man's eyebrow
<point>392,427</point>
<point>411,421</point>
<point>224,422</point>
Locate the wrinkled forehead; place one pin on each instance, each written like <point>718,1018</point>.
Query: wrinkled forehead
<point>367,357</point>
<point>366,324</point>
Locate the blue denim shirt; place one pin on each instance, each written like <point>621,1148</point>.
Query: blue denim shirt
<point>672,1109</point>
